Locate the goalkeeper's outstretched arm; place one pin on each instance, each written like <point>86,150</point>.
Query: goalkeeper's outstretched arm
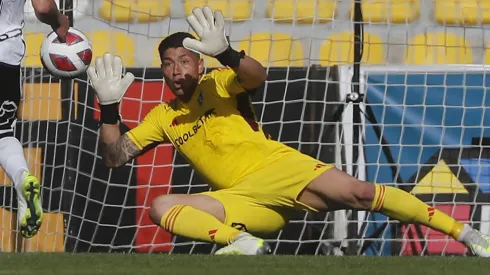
<point>110,85</point>
<point>210,27</point>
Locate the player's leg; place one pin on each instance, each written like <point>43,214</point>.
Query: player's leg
<point>196,217</point>
<point>12,157</point>
<point>247,213</point>
<point>339,190</point>
<point>217,217</point>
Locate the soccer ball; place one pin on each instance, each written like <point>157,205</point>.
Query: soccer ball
<point>66,60</point>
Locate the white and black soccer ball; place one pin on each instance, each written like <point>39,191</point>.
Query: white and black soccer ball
<point>69,59</point>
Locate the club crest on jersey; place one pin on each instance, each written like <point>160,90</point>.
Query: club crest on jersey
<point>174,122</point>
<point>200,98</point>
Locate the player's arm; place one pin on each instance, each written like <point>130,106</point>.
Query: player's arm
<point>250,73</point>
<point>47,12</point>
<point>213,42</point>
<point>110,86</point>
<point>116,149</point>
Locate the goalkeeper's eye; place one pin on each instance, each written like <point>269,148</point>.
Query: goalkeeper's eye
<point>167,64</point>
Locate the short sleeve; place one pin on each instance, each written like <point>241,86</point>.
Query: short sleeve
<point>149,130</point>
<point>227,80</point>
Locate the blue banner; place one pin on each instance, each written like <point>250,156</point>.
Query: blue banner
<point>420,115</point>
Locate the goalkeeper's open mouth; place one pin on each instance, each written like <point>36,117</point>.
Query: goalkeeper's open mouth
<point>180,86</point>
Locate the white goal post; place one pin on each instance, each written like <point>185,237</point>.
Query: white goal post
<point>426,130</point>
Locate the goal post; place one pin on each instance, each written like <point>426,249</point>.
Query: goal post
<point>425,131</point>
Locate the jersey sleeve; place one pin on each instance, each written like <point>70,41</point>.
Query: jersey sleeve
<point>149,130</point>
<point>227,81</point>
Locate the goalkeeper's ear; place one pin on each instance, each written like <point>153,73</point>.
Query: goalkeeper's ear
<point>201,66</point>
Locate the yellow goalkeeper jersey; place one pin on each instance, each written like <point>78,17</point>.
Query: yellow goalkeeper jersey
<point>216,131</point>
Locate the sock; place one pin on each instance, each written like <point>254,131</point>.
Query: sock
<point>405,207</point>
<point>195,224</point>
<point>12,159</point>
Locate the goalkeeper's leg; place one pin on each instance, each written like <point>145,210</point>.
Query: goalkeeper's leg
<point>12,160</point>
<point>335,189</point>
<point>219,218</point>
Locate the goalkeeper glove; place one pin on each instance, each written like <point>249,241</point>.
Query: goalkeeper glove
<point>109,84</point>
<point>213,41</point>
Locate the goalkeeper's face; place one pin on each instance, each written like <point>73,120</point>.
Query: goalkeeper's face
<point>181,69</point>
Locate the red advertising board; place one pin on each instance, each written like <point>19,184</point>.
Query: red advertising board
<point>153,168</point>
<point>436,243</point>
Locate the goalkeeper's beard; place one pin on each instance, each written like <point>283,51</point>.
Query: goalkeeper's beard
<point>184,89</point>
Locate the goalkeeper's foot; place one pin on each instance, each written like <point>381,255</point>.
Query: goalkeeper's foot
<point>30,212</point>
<point>245,244</point>
<point>478,243</point>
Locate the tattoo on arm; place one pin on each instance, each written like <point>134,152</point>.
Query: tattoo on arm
<point>118,153</point>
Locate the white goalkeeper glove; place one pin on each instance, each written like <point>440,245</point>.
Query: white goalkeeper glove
<point>107,79</point>
<point>213,41</point>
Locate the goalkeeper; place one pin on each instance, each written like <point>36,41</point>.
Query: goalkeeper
<point>257,183</point>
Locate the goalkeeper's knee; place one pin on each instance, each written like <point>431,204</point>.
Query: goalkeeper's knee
<point>162,204</point>
<point>159,206</point>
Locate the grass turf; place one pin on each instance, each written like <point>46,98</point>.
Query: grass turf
<point>54,263</point>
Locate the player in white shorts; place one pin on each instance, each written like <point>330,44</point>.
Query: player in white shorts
<point>12,50</point>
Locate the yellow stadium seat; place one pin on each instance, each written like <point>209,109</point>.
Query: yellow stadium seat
<point>462,12</point>
<point>233,9</point>
<point>156,62</point>
<point>339,49</point>
<point>33,46</point>
<point>33,157</point>
<point>273,49</point>
<point>50,237</point>
<point>288,11</point>
<point>211,62</point>
<point>487,54</point>
<point>438,48</point>
<point>388,11</point>
<point>41,101</point>
<point>8,224</point>
<point>114,42</point>
<point>134,10</point>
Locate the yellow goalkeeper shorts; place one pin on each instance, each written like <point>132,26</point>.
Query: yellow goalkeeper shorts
<point>263,201</point>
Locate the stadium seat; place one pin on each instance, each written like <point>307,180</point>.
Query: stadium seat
<point>339,49</point>
<point>388,11</point>
<point>487,54</point>
<point>438,48</point>
<point>41,101</point>
<point>236,10</point>
<point>140,11</point>
<point>287,11</point>
<point>50,237</point>
<point>462,12</point>
<point>114,42</point>
<point>273,49</point>
<point>155,61</point>
<point>33,45</point>
<point>33,157</point>
<point>8,223</point>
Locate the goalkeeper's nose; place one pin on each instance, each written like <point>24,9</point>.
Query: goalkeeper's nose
<point>177,71</point>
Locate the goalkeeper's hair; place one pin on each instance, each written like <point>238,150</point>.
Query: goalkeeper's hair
<point>174,40</point>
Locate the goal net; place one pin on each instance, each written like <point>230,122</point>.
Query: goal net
<point>421,123</point>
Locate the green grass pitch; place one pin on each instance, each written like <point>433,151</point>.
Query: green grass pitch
<point>54,263</point>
